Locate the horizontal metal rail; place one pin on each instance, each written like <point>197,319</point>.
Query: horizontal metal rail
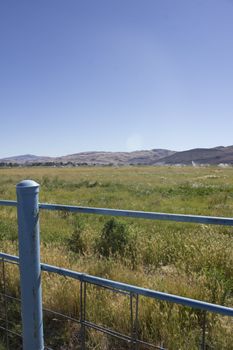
<point>196,304</point>
<point>8,203</point>
<point>212,220</point>
<point>208,220</point>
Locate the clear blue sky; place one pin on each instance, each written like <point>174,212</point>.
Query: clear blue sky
<point>115,75</point>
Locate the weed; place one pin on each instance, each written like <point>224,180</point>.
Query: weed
<point>113,239</point>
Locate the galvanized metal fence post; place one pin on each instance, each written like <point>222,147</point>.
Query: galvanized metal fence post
<point>29,263</point>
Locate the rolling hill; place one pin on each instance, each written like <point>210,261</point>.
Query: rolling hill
<point>98,158</point>
<point>198,156</point>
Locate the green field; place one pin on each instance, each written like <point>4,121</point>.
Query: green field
<point>185,259</point>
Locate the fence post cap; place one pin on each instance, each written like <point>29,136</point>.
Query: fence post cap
<point>27,184</point>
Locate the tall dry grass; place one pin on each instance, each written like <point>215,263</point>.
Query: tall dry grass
<point>185,259</point>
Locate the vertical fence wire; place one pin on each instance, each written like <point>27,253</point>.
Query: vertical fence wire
<point>134,320</point>
<point>83,314</point>
<point>203,336</point>
<point>5,304</point>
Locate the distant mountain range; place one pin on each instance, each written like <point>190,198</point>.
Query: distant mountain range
<point>197,156</point>
<point>98,158</point>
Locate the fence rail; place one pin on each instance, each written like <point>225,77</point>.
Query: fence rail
<point>31,300</point>
<point>207,220</point>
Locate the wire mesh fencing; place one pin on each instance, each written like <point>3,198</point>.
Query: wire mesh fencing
<point>88,327</point>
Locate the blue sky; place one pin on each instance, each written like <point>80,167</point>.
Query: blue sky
<point>115,75</point>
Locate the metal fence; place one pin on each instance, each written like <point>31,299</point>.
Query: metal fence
<point>28,333</point>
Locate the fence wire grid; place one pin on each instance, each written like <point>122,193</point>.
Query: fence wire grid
<point>12,329</point>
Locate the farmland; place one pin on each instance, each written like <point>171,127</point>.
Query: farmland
<point>185,259</point>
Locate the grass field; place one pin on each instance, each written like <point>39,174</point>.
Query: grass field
<point>185,259</point>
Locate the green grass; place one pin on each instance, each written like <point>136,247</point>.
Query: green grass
<point>185,259</point>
